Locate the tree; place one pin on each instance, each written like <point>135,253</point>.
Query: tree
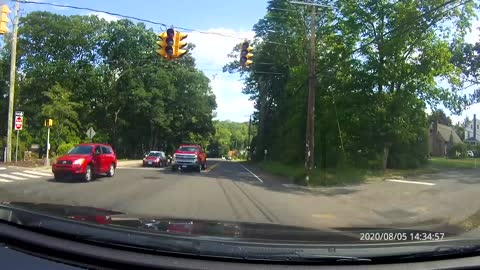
<point>440,116</point>
<point>63,111</point>
<point>378,65</point>
<point>86,72</point>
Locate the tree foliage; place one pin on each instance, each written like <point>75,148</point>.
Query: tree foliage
<point>378,67</point>
<point>83,72</point>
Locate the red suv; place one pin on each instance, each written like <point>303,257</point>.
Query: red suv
<point>86,161</point>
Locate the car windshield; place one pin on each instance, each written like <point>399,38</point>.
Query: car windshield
<point>324,117</point>
<point>81,150</point>
<point>188,148</point>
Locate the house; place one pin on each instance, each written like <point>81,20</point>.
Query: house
<point>441,138</point>
<point>472,131</point>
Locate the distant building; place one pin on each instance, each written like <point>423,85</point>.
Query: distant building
<point>472,131</point>
<point>442,137</point>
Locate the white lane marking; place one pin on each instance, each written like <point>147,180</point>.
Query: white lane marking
<point>12,177</point>
<point>38,173</point>
<point>258,178</point>
<point>3,168</point>
<point>411,182</point>
<point>27,175</point>
<point>5,180</point>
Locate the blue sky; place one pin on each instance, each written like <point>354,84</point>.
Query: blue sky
<point>232,18</point>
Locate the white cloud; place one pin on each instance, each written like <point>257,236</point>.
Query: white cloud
<point>210,54</point>
<point>474,35</point>
<point>104,16</point>
<point>211,50</point>
<point>231,103</point>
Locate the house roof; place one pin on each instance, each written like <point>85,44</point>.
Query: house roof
<point>446,132</point>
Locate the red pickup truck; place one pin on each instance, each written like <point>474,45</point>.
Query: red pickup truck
<point>189,156</point>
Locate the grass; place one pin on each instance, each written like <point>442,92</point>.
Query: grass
<point>329,177</point>
<point>340,176</point>
<point>449,163</point>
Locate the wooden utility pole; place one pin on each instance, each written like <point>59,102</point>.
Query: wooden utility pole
<point>312,85</point>
<point>11,95</point>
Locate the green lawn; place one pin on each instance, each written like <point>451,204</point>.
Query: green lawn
<point>329,177</point>
<point>448,163</point>
<point>339,176</point>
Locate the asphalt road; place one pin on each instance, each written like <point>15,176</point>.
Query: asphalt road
<point>233,191</point>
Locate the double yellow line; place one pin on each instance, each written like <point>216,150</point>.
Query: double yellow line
<point>211,167</point>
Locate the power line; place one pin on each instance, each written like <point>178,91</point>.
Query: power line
<point>126,16</point>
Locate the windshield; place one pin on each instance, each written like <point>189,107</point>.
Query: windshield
<point>317,115</point>
<point>188,149</point>
<point>81,150</point>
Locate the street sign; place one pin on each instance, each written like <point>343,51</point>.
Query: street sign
<point>91,133</point>
<point>18,113</point>
<point>18,122</point>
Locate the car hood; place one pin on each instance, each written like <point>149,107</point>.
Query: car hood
<point>193,227</point>
<point>72,157</point>
<point>186,152</point>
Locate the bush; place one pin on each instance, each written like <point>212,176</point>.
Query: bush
<point>64,148</point>
<point>457,151</point>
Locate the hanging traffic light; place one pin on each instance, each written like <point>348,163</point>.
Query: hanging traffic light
<point>170,42</point>
<point>245,54</point>
<point>166,44</point>
<point>162,43</point>
<point>4,19</point>
<point>179,44</point>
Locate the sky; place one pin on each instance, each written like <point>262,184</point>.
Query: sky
<point>232,18</point>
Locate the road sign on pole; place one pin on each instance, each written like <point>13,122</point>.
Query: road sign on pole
<point>91,133</point>
<point>18,120</point>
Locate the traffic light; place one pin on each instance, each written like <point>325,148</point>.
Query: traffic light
<point>179,44</point>
<point>4,19</point>
<point>162,43</point>
<point>48,123</point>
<point>166,44</point>
<point>245,54</point>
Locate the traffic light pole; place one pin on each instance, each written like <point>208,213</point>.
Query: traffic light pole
<point>11,95</point>
<point>47,160</point>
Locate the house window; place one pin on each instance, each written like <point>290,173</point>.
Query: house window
<point>468,136</point>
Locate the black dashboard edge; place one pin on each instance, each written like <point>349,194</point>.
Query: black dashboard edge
<point>85,255</point>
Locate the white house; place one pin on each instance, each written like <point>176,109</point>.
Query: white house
<point>472,131</point>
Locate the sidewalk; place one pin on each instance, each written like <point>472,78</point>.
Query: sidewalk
<point>129,163</point>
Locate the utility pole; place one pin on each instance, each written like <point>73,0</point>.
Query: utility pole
<point>13,68</point>
<point>310,131</point>
<point>248,141</point>
<point>312,84</point>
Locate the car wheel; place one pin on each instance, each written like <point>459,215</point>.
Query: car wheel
<point>88,176</point>
<point>174,168</point>
<point>111,171</point>
<point>204,166</point>
<point>199,168</point>
<point>57,177</point>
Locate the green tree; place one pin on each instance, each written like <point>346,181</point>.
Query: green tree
<point>440,116</point>
<point>62,110</point>
<point>377,69</point>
